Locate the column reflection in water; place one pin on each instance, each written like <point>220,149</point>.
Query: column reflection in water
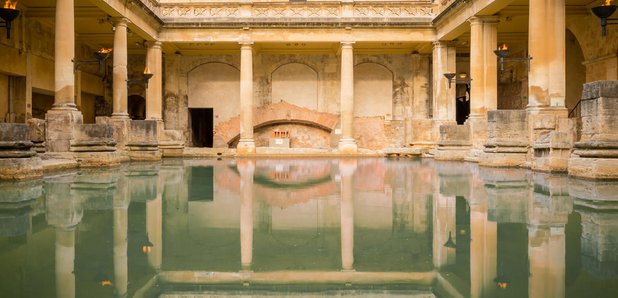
<point>246,169</point>
<point>121,206</point>
<point>443,227</point>
<point>64,212</point>
<point>154,226</point>
<point>346,169</point>
<point>548,210</point>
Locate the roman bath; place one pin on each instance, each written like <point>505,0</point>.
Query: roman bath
<point>268,148</point>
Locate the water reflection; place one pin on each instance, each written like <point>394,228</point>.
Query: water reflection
<point>401,226</point>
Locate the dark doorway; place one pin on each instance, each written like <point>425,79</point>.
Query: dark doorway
<point>462,103</point>
<point>136,107</point>
<point>201,125</point>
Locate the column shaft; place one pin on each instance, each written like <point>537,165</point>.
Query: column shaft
<point>347,143</point>
<point>64,78</point>
<point>154,93</point>
<point>546,45</point>
<point>477,69</point>
<point>246,144</point>
<point>443,96</point>
<point>119,96</point>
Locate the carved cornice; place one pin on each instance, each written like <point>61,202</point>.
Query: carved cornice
<point>247,12</point>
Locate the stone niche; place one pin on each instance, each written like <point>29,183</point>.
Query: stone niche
<point>595,156</point>
<point>507,139</point>
<point>17,159</point>
<point>454,142</point>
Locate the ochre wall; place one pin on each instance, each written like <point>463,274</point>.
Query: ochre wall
<point>383,89</point>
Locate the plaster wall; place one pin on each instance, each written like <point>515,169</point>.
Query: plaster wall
<point>600,53</point>
<point>384,91</point>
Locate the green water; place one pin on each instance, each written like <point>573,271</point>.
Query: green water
<point>308,227</point>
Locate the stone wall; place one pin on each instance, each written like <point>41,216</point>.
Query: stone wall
<point>384,89</point>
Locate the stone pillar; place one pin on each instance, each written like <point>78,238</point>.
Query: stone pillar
<point>63,116</point>
<point>246,145</point>
<point>65,262</point>
<point>119,97</point>
<point>154,93</point>
<point>419,126</point>
<point>347,144</point>
<point>443,96</point>
<point>246,169</point>
<point>154,227</point>
<point>484,75</point>
<point>347,169</point>
<point>546,45</point>
<point>120,228</point>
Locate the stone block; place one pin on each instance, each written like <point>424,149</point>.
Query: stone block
<point>422,133</point>
<point>454,142</point>
<point>37,134</point>
<point>18,194</point>
<point>17,159</point>
<point>93,138</point>
<point>594,194</point>
<point>507,139</point>
<point>60,124</point>
<point>143,143</point>
<point>171,143</point>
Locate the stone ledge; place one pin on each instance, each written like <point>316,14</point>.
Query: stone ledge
<point>600,89</point>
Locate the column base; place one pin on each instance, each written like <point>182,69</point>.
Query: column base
<point>245,147</point>
<point>348,146</point>
<point>61,121</point>
<point>121,131</point>
<point>120,115</point>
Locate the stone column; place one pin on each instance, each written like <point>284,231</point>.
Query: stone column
<point>418,128</point>
<point>246,169</point>
<point>63,116</point>
<point>120,228</point>
<point>64,53</point>
<point>119,97</point>
<point>484,75</point>
<point>154,93</point>
<point>246,145</point>
<point>546,45</point>
<point>347,144</point>
<point>65,262</point>
<point>443,96</point>
<point>347,169</point>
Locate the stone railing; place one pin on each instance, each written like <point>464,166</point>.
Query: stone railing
<point>366,11</point>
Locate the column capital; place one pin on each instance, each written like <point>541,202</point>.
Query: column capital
<point>347,44</point>
<point>154,44</point>
<point>476,20</point>
<point>120,21</point>
<point>442,44</point>
<point>246,44</point>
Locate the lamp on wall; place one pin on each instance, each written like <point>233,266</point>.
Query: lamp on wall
<point>100,56</point>
<point>146,75</point>
<point>450,243</point>
<point>8,13</point>
<point>503,52</point>
<point>603,12</point>
<point>460,78</point>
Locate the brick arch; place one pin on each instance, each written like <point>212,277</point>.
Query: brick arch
<point>278,113</point>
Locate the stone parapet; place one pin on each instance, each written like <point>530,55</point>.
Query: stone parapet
<point>93,145</point>
<point>595,155</point>
<point>171,143</point>
<point>454,142</point>
<point>552,150</point>
<point>507,139</point>
<point>17,159</point>
<point>37,134</point>
<point>143,143</point>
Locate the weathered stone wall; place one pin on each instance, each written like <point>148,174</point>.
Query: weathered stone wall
<point>384,89</point>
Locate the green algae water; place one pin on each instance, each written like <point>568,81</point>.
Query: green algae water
<point>367,227</point>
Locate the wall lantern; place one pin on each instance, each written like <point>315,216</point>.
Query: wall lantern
<point>450,243</point>
<point>503,52</point>
<point>147,245</point>
<point>8,13</point>
<point>100,56</point>
<point>144,79</point>
<point>603,12</point>
<point>460,78</point>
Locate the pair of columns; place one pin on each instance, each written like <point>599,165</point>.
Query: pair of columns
<point>64,76</point>
<point>246,144</point>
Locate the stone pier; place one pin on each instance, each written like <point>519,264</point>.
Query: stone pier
<point>17,159</point>
<point>454,142</point>
<point>507,139</point>
<point>595,155</point>
<point>143,143</point>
